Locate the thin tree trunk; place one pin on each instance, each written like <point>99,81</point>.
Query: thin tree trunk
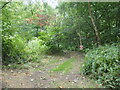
<point>37,32</point>
<point>94,26</point>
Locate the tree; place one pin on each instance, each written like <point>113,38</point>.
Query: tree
<point>95,27</point>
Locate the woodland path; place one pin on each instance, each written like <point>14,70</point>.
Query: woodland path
<point>44,76</point>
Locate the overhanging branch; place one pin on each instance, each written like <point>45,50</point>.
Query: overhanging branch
<point>4,5</point>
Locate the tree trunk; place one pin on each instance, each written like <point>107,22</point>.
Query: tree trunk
<point>94,26</point>
<point>37,32</point>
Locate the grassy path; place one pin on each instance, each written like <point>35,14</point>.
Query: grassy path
<point>55,72</point>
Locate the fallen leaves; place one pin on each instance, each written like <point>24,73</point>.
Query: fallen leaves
<point>14,74</point>
<point>26,73</point>
<point>31,80</point>
<point>60,87</point>
<point>75,80</point>
<point>11,71</point>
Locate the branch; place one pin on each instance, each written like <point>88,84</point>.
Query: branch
<point>4,5</point>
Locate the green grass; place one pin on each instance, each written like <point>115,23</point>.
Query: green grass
<point>64,67</point>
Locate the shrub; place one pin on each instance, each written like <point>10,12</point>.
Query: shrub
<point>12,49</point>
<point>102,64</point>
<point>34,49</point>
<point>16,51</point>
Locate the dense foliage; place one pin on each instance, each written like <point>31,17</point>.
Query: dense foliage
<point>102,63</point>
<point>33,29</point>
<point>88,22</point>
<point>19,44</point>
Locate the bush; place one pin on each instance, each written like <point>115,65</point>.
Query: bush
<point>102,64</point>
<point>12,49</point>
<point>16,51</point>
<point>35,49</point>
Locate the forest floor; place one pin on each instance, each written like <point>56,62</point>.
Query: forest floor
<point>54,72</point>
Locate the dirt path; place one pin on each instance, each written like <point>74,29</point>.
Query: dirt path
<point>43,77</point>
